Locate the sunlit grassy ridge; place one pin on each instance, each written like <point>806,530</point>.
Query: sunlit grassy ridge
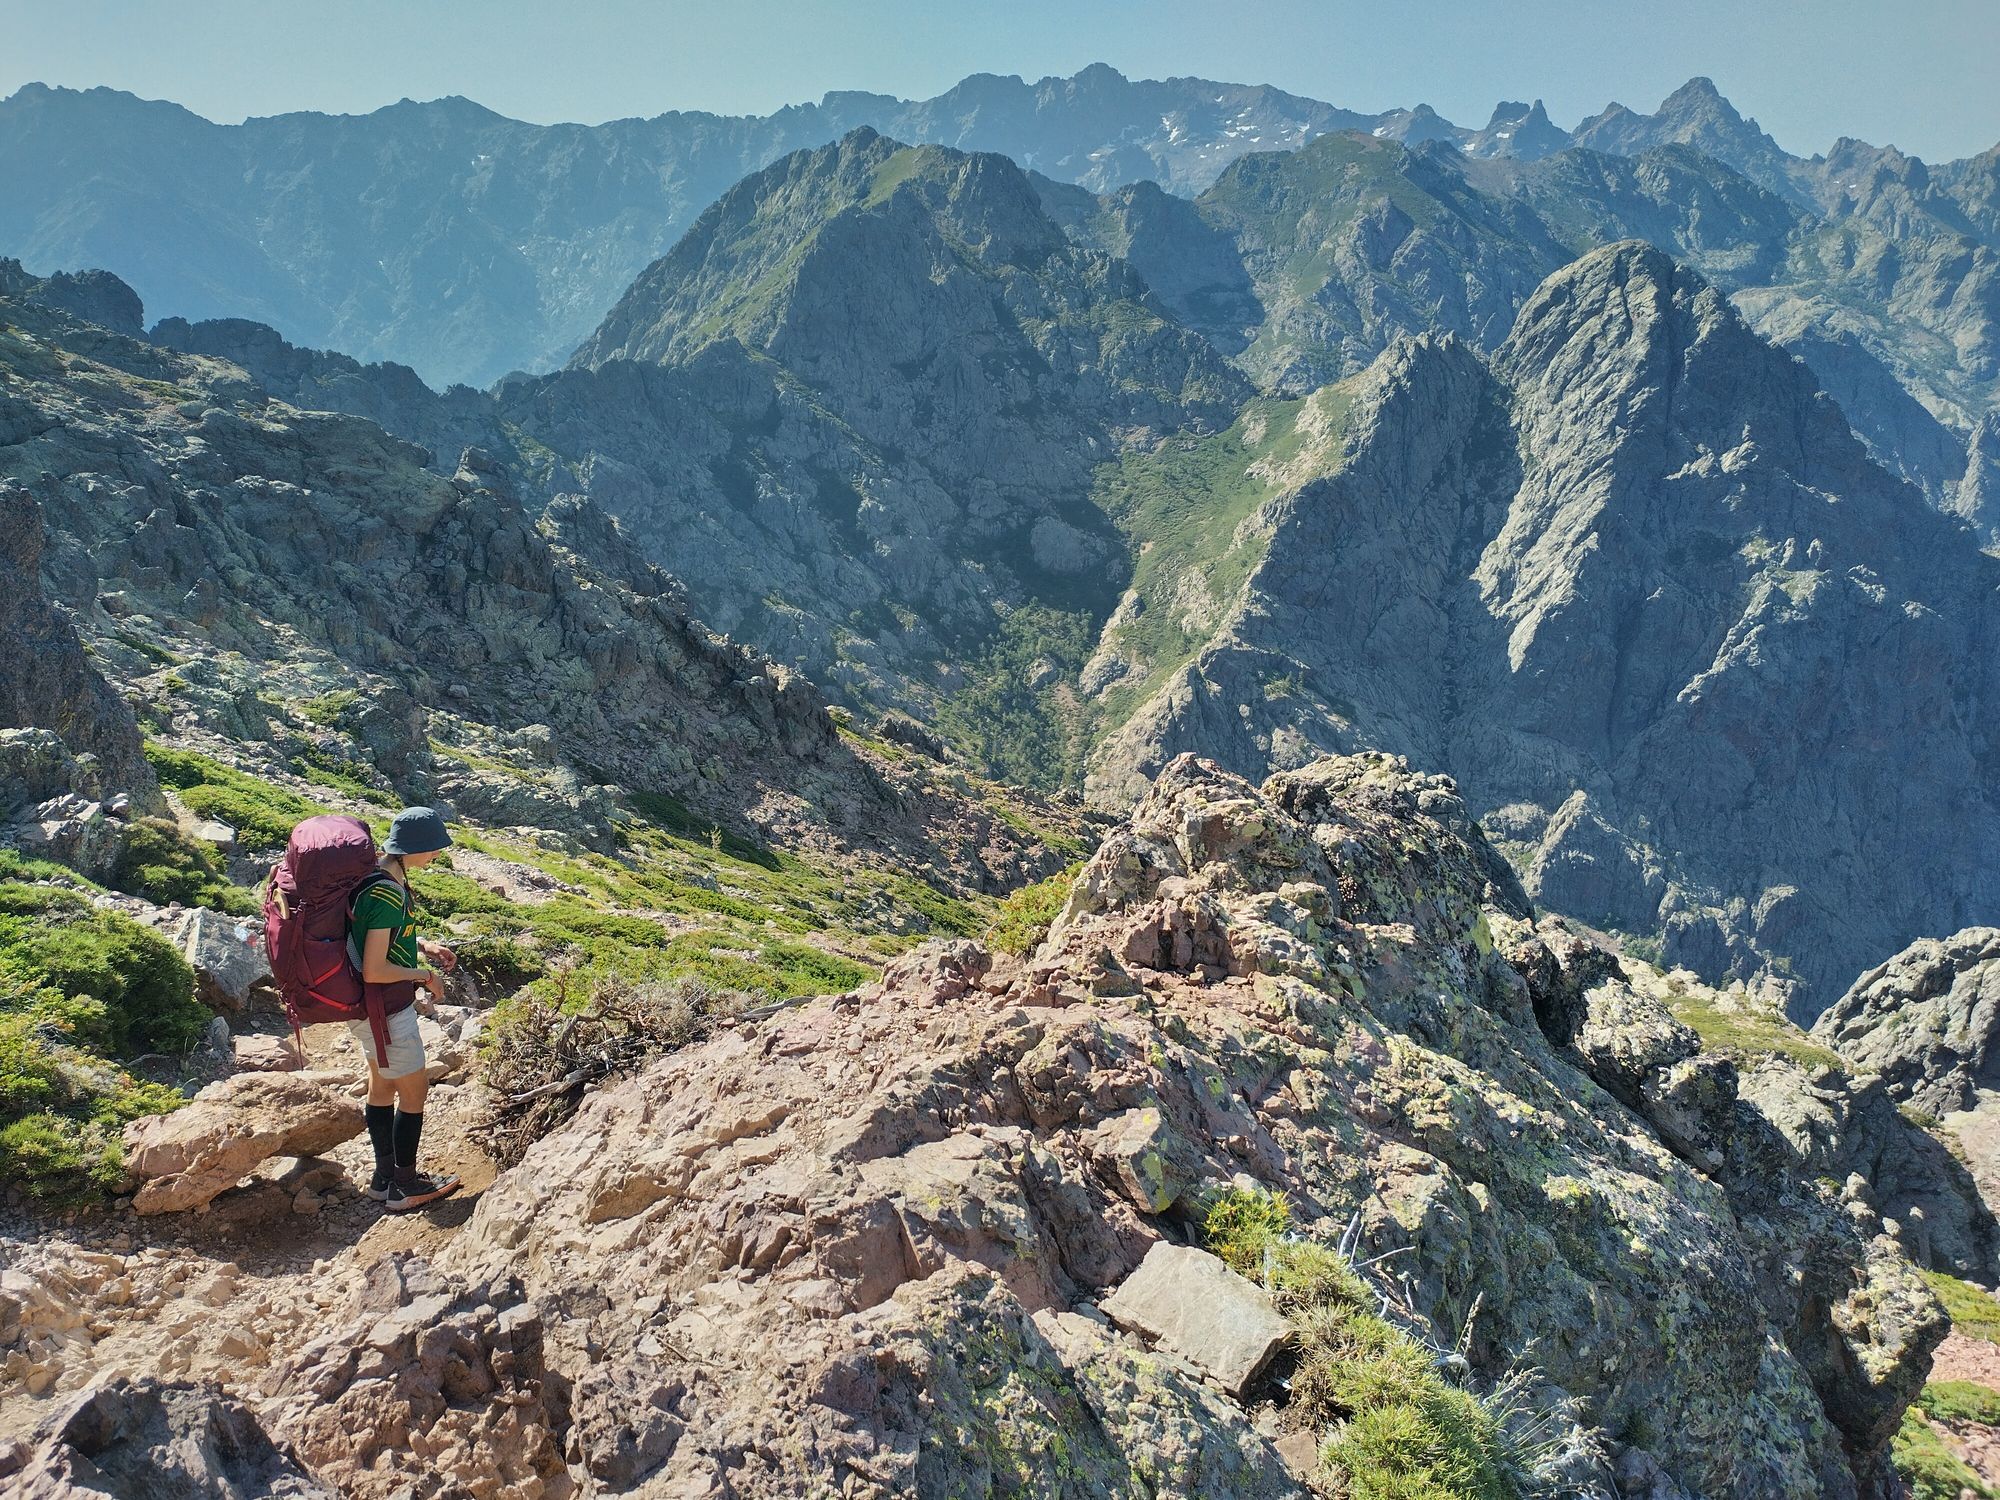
<point>1186,508</point>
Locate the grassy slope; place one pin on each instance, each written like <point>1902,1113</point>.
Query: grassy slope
<point>1185,507</point>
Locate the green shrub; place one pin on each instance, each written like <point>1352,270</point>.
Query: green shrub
<point>497,960</point>
<point>164,865</point>
<point>261,814</point>
<point>16,866</point>
<point>339,776</point>
<point>61,1160</point>
<point>1239,1224</point>
<point>31,1076</point>
<point>327,709</point>
<point>1961,1401</point>
<point>677,817</point>
<point>1394,1427</point>
<point>1025,916</point>
<point>1401,1431</point>
<point>52,939</point>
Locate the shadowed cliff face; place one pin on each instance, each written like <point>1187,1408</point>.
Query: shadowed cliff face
<point>1644,593</point>
<point>46,680</point>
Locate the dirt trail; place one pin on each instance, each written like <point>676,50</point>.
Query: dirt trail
<point>226,1291</point>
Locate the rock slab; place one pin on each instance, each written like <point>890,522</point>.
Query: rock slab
<point>184,1159</point>
<point>1191,1304</point>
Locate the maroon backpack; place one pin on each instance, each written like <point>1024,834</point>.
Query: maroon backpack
<point>329,861</point>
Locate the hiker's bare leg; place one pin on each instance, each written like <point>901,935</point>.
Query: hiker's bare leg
<point>406,1093</point>
<point>410,1091</point>
<point>383,1090</point>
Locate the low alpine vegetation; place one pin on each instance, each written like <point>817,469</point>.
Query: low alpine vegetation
<point>1974,1313</point>
<point>162,864</point>
<point>261,814</point>
<point>80,990</point>
<point>1927,1465</point>
<point>1025,916</point>
<point>1392,1424</point>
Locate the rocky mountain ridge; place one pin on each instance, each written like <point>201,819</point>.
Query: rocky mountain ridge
<point>225,555</point>
<point>912,1235</point>
<point>1016,549</point>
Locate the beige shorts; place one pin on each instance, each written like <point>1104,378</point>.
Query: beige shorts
<point>406,1044</point>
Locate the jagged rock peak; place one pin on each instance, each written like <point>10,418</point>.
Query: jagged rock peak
<point>1628,324</point>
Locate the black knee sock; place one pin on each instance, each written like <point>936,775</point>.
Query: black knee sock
<point>408,1128</point>
<point>381,1120</point>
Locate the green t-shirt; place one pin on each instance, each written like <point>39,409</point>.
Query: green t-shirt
<point>385,904</point>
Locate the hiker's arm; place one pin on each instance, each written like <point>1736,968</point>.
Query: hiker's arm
<point>438,954</point>
<point>375,965</point>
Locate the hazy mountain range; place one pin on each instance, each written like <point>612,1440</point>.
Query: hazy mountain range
<point>446,237</point>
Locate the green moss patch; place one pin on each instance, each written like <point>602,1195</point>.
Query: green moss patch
<point>1973,1312</point>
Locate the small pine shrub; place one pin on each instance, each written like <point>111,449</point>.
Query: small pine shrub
<point>59,1159</point>
<point>1025,916</point>
<point>31,1075</point>
<point>500,961</point>
<point>1239,1224</point>
<point>51,939</point>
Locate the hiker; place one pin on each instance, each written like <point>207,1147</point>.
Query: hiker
<point>383,933</point>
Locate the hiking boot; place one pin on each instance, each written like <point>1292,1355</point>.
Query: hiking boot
<point>378,1187</point>
<point>420,1188</point>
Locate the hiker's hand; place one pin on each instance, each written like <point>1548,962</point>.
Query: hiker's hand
<point>434,982</point>
<point>443,957</point>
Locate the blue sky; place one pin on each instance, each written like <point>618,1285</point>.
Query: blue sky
<point>1920,73</point>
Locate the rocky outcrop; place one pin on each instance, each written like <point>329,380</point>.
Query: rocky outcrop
<point>1927,1021</point>
<point>165,1439</point>
<point>1616,599</point>
<point>1977,498</point>
<point>1920,1028</point>
<point>933,1184</point>
<point>184,1159</point>
<point>1190,1304</point>
<point>427,1388</point>
<point>93,296</point>
<point>182,540</point>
